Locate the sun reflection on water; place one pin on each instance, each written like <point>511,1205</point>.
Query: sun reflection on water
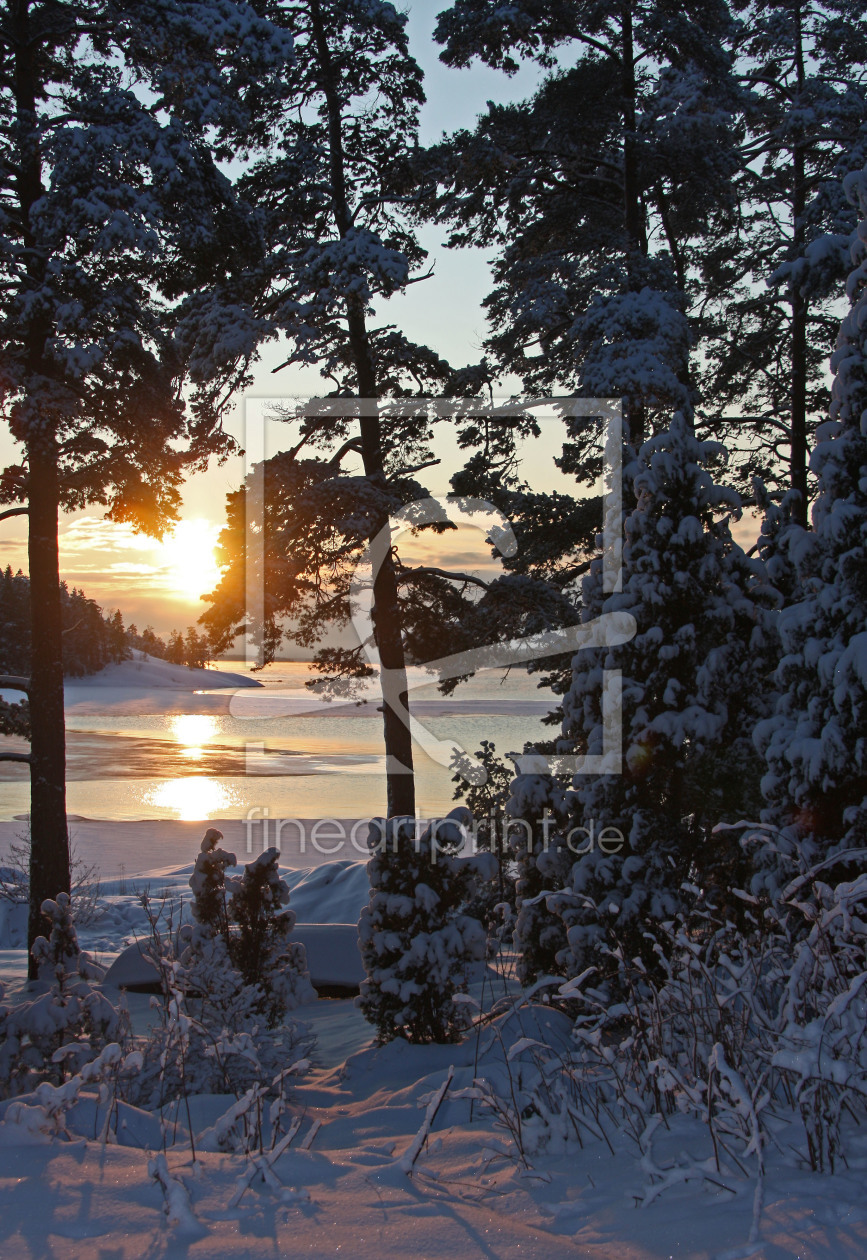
<point>193,799</point>
<point>193,731</point>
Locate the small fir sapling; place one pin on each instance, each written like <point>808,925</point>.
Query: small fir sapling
<point>240,961</point>
<point>494,901</point>
<point>208,882</point>
<point>416,943</point>
<point>51,1036</point>
<point>263,952</point>
<point>537,809</point>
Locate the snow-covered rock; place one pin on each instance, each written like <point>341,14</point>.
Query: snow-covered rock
<point>333,960</point>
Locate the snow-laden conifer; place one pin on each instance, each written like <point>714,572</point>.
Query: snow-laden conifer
<point>815,744</point>
<point>692,681</point>
<point>416,943</point>
<point>263,951</point>
<point>595,192</point>
<point>240,969</point>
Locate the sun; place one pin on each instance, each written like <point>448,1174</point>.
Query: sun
<point>187,558</point>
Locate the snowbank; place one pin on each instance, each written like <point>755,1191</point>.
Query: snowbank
<point>146,672</point>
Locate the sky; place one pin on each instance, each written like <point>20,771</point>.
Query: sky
<point>159,583</point>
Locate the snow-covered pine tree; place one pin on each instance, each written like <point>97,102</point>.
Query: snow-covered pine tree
<point>539,814</point>
<point>772,269</point>
<point>333,185</point>
<point>693,682</point>
<point>595,192</point>
<point>815,744</point>
<point>263,951</point>
<point>49,1037</point>
<point>239,965</point>
<point>416,944</point>
<point>111,211</point>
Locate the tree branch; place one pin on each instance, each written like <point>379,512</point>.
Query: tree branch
<point>16,511</point>
<point>354,444</point>
<point>409,575</point>
<point>11,756</point>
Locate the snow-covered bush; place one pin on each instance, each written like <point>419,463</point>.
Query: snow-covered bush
<point>815,745</point>
<point>50,1036</point>
<point>228,982</point>
<point>46,1113</point>
<point>416,943</point>
<point>745,1027</point>
<point>206,1037</point>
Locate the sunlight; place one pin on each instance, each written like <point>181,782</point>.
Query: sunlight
<point>187,555</point>
<point>192,800</point>
<point>193,731</point>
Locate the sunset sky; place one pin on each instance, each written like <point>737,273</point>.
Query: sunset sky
<point>159,584</point>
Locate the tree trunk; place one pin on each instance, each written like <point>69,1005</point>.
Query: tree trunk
<point>49,839</point>
<point>798,393</point>
<point>798,402</point>
<point>633,211</point>
<point>400,783</point>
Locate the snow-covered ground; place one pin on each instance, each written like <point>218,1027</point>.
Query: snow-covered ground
<point>347,1183</point>
<point>342,1187</point>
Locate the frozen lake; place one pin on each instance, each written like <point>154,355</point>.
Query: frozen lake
<point>143,753</point>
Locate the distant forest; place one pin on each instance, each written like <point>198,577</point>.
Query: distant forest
<point>92,638</point>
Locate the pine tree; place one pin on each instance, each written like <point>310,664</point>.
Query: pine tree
<point>112,212</point>
<point>815,744</point>
<point>415,941</point>
<point>195,648</point>
<point>117,644</point>
<point>772,269</point>
<point>693,682</point>
<point>176,652</point>
<point>333,187</point>
<point>596,192</point>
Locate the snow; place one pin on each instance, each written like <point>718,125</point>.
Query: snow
<point>333,960</point>
<point>146,684</point>
<point>361,1176</point>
